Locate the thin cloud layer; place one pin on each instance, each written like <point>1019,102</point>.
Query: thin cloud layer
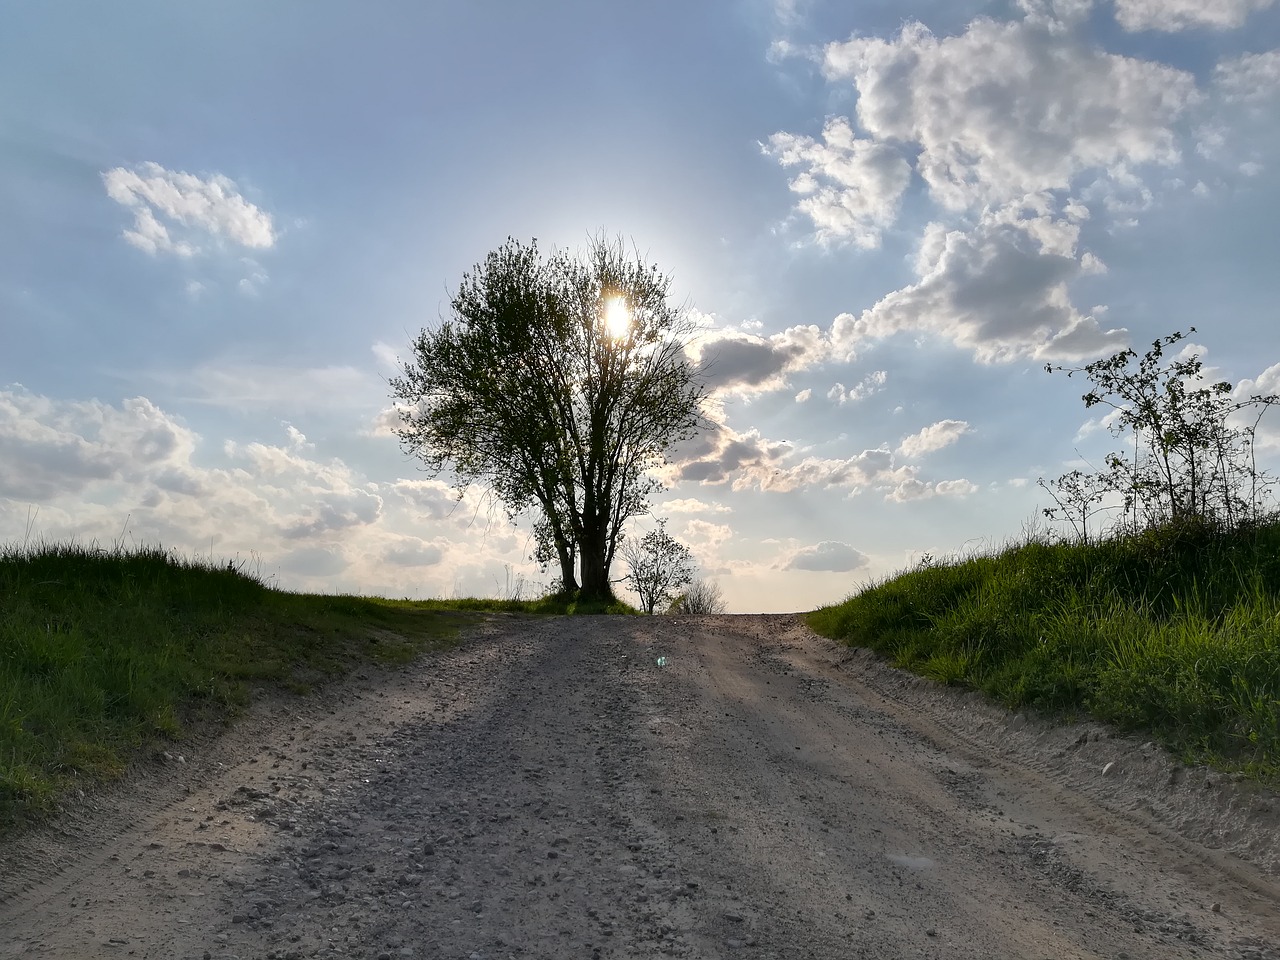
<point>175,212</point>
<point>1173,15</point>
<point>1251,78</point>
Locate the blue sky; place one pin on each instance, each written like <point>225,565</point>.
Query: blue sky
<point>222,223</point>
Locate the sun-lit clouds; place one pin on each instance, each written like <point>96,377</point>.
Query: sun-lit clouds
<point>176,212</point>
<point>747,364</point>
<point>704,535</point>
<point>1020,130</point>
<point>999,290</point>
<point>829,555</point>
<point>1096,425</point>
<point>722,455</point>
<point>97,472</point>
<point>1012,108</point>
<point>933,437</point>
<point>1056,12</point>
<point>743,461</point>
<point>850,187</point>
<point>694,505</point>
<point>1173,15</point>
<point>50,448</point>
<point>871,384</point>
<point>1266,384</point>
<point>913,488</point>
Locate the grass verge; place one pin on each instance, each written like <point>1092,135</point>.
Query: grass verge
<point>106,652</point>
<point>1173,631</point>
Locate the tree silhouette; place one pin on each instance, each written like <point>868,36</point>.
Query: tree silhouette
<point>559,383</point>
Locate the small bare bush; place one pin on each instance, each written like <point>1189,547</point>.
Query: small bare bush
<point>703,596</point>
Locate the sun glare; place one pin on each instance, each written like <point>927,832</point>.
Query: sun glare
<point>617,318</point>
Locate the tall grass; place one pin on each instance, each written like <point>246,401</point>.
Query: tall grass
<point>103,652</point>
<point>1173,630</point>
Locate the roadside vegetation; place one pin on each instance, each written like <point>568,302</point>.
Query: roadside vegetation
<point>1166,620</point>
<point>105,653</point>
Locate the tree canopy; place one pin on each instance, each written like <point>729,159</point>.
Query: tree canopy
<point>559,382</point>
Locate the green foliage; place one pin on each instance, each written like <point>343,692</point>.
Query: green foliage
<point>1192,456</point>
<point>103,652</point>
<point>1173,630</point>
<point>533,389</point>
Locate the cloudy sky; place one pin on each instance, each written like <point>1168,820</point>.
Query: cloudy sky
<point>221,224</point>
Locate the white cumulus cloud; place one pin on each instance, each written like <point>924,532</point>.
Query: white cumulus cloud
<point>933,437</point>
<point>1011,108</point>
<point>829,555</point>
<point>999,289</point>
<point>871,384</point>
<point>850,187</point>
<point>173,211</point>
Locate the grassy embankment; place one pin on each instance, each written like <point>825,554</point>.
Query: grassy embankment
<point>1174,631</point>
<point>106,652</point>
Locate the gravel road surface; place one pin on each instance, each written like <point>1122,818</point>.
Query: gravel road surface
<point>547,789</point>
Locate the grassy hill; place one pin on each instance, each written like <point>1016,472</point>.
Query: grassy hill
<point>104,652</point>
<point>1174,631</point>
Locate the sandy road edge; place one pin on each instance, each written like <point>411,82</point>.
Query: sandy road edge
<point>1229,822</point>
<point>54,854</point>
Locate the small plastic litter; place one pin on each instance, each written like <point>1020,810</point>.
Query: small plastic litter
<point>662,661</point>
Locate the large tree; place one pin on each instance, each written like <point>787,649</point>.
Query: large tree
<point>559,382</point>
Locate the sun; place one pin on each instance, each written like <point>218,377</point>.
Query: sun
<point>617,317</point>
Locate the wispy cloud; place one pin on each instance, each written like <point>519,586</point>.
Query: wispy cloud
<point>1173,15</point>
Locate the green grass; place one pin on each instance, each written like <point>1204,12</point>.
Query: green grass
<point>1173,631</point>
<point>104,653</point>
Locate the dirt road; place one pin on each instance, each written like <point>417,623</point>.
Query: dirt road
<point>548,789</point>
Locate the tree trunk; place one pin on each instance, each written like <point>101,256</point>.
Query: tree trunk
<point>568,578</point>
<point>595,572</point>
